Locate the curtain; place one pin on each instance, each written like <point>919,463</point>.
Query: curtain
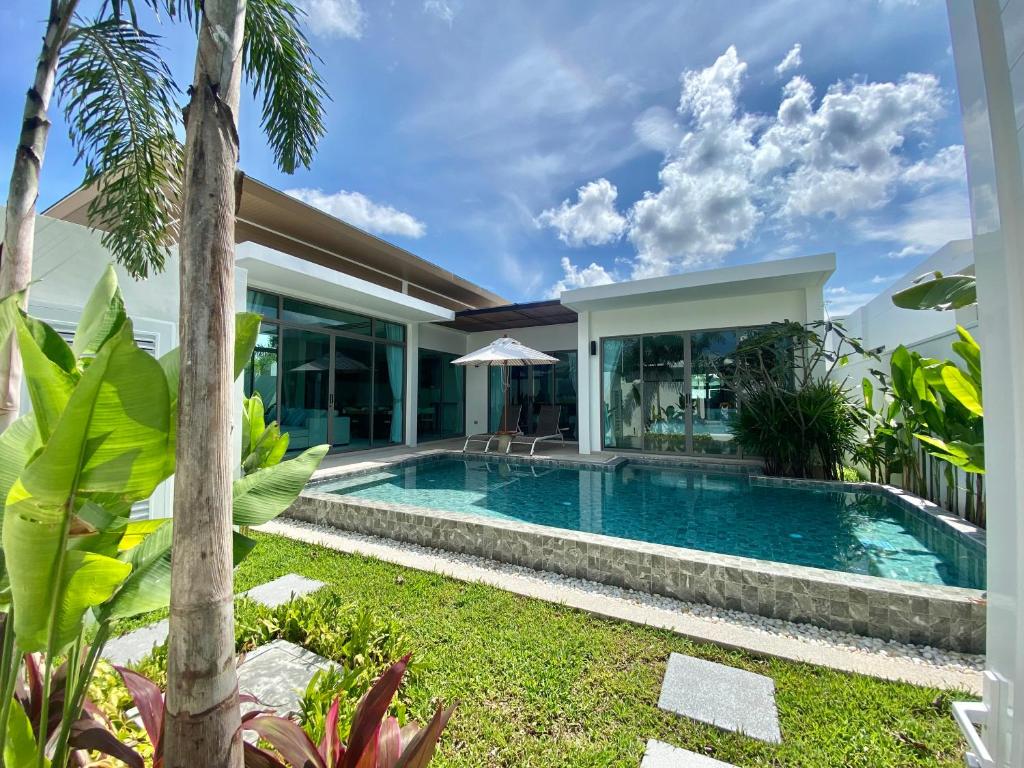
<point>496,392</point>
<point>459,397</point>
<point>612,374</point>
<point>395,354</point>
<point>573,372</point>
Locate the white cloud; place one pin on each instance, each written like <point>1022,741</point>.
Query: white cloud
<point>360,211</point>
<point>442,9</point>
<point>335,18</point>
<point>923,225</point>
<point>591,220</point>
<point>945,165</point>
<point>575,277</point>
<point>791,60</point>
<point>704,207</point>
<point>841,301</point>
<point>884,279</point>
<point>837,156</point>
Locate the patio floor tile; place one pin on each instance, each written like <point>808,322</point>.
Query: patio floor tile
<point>277,675</point>
<point>135,645</point>
<point>281,590</point>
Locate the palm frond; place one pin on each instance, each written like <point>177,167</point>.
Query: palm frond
<point>280,65</point>
<point>120,103</point>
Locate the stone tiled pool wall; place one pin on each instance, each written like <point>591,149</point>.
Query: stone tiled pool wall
<point>943,617</point>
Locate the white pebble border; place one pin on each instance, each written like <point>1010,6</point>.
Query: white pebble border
<point>924,656</point>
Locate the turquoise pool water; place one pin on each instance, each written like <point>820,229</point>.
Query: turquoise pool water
<point>724,513</point>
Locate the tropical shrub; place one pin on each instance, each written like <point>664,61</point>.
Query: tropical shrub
<point>263,445</point>
<point>791,414</point>
<point>100,437</point>
<point>934,422</point>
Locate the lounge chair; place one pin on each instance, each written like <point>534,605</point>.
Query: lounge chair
<point>547,429</point>
<point>510,417</point>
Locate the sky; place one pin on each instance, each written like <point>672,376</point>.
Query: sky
<point>537,146</point>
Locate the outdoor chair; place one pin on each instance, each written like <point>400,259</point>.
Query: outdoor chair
<point>509,416</point>
<point>547,429</point>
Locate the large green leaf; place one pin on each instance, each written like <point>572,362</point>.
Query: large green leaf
<point>102,317</point>
<point>20,741</point>
<point>266,493</point>
<point>941,292</point>
<point>902,366</point>
<point>111,438</point>
<point>963,389</point>
<point>247,328</point>
<point>970,353</point>
<point>49,385</point>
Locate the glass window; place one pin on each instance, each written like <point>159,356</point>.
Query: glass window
<point>565,392</point>
<point>664,393</point>
<point>441,396</point>
<point>305,386</point>
<point>353,392</point>
<point>390,331</point>
<point>261,302</point>
<point>621,384</point>
<point>261,372</point>
<point>713,405</point>
<point>305,313</point>
<point>388,395</point>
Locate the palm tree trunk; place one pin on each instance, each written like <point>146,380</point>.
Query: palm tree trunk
<point>20,217</point>
<point>202,717</point>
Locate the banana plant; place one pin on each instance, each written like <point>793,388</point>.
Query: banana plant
<point>100,437</point>
<point>263,445</point>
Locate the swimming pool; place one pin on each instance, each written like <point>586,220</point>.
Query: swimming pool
<point>852,532</point>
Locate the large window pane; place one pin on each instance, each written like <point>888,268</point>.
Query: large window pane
<point>353,389</point>
<point>389,331</point>
<point>305,364</point>
<point>305,313</point>
<point>664,392</point>
<point>261,302</point>
<point>565,392</point>
<point>388,383</point>
<point>441,396</point>
<point>261,372</point>
<point>621,389</point>
<point>714,406</point>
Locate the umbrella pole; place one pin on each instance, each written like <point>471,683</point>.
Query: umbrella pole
<point>507,383</point>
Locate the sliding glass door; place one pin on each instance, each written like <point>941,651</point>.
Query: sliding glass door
<point>531,387</point>
<point>339,376</point>
<point>441,398</point>
<point>664,392</point>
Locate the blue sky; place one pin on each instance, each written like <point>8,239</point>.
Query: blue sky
<point>534,146</point>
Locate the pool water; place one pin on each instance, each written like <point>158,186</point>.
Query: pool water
<point>851,532</point>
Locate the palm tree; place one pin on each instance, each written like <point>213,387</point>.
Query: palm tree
<point>119,101</point>
<point>261,40</point>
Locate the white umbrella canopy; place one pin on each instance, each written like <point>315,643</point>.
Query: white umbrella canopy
<point>505,352</point>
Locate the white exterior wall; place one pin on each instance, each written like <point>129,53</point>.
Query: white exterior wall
<point>988,45</point>
<point>68,261</point>
<point>442,339</point>
<point>801,306</point>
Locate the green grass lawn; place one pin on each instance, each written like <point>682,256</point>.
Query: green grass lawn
<point>542,685</point>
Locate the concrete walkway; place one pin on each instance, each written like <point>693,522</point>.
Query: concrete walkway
<point>662,755</point>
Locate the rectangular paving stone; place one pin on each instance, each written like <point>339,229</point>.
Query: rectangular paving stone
<point>277,674</point>
<point>134,646</point>
<point>662,755</point>
<point>726,697</point>
<point>281,590</point>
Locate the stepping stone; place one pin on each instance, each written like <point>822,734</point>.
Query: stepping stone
<point>281,590</point>
<point>136,645</point>
<point>277,674</point>
<point>726,697</point>
<point>662,755</point>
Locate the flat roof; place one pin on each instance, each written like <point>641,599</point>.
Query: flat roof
<point>526,315</point>
<point>742,280</point>
<point>276,220</point>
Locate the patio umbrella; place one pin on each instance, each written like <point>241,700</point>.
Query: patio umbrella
<point>504,353</point>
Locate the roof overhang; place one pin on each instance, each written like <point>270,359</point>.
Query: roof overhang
<point>270,217</point>
<point>281,273</point>
<point>744,280</point>
<point>532,314</point>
